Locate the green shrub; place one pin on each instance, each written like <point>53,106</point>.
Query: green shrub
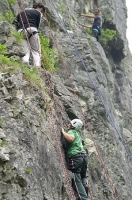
<point>4,60</point>
<point>8,167</point>
<point>32,75</point>
<point>28,171</point>
<point>107,17</point>
<point>19,37</point>
<point>89,31</point>
<point>123,122</point>
<point>1,122</point>
<point>49,55</point>
<point>9,16</point>
<point>11,66</point>
<point>107,35</point>
<point>4,142</point>
<point>11,1</point>
<point>63,8</point>
<point>2,17</point>
<point>2,48</point>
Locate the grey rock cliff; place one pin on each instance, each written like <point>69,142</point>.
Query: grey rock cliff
<point>32,161</point>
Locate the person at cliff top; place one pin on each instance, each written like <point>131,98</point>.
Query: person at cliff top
<point>77,159</point>
<point>28,24</point>
<point>97,24</point>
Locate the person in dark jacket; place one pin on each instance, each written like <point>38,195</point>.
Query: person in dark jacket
<point>97,24</point>
<point>77,159</point>
<point>28,24</point>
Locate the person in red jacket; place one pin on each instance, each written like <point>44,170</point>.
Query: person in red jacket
<point>28,24</point>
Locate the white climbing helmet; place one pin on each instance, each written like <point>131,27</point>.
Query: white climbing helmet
<point>77,123</point>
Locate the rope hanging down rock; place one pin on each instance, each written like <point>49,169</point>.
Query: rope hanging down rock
<point>52,122</point>
<point>94,85</point>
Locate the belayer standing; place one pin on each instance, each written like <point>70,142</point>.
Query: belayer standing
<point>28,22</point>
<point>77,159</point>
<point>97,24</point>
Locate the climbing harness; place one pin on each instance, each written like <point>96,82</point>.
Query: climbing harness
<point>96,30</point>
<point>29,34</point>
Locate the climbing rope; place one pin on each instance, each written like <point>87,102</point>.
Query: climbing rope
<point>55,132</point>
<point>65,67</point>
<point>84,118</point>
<point>95,87</point>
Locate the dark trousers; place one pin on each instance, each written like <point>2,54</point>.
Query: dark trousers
<point>96,32</point>
<point>78,165</point>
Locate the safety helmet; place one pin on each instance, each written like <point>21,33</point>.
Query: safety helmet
<point>77,123</point>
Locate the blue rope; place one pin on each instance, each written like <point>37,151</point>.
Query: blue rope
<point>96,89</point>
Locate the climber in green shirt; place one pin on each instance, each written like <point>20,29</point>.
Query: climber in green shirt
<point>77,158</point>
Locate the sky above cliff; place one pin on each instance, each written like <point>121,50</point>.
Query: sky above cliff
<point>129,23</point>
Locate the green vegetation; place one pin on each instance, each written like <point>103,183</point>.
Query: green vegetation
<point>63,8</point>
<point>8,167</point>
<point>107,67</point>
<point>123,122</point>
<point>5,60</point>
<point>107,35</point>
<point>49,56</point>
<point>28,171</point>
<point>106,16</point>
<point>89,31</point>
<point>88,136</point>
<point>41,118</point>
<point>73,18</point>
<point>30,74</point>
<point>1,122</point>
<point>3,143</point>
<point>8,16</point>
<point>127,198</point>
<point>19,37</point>
<point>2,17</point>
<point>126,64</point>
<point>11,1</point>
<point>15,111</point>
<point>2,48</point>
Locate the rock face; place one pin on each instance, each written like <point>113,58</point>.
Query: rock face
<point>96,89</point>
